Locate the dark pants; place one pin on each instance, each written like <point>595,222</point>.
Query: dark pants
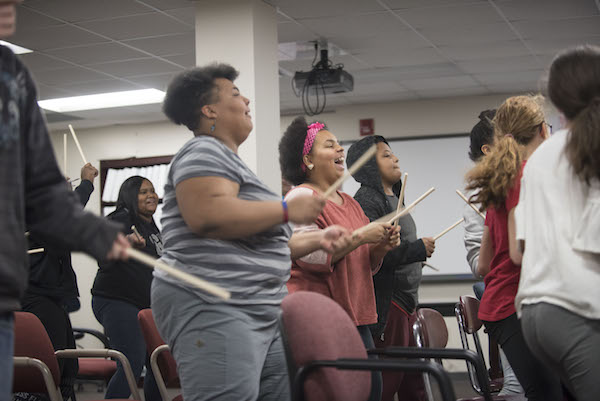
<point>537,380</point>
<point>58,325</point>
<point>365,335</point>
<point>121,325</point>
<point>398,332</point>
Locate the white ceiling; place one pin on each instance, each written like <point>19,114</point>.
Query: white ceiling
<point>395,49</point>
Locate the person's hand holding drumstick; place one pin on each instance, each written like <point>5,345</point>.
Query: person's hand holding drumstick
<point>429,243</point>
<point>136,239</point>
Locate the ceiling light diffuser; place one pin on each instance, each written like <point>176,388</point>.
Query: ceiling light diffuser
<point>103,100</point>
<point>15,48</point>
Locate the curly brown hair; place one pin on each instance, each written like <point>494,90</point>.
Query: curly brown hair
<point>517,122</point>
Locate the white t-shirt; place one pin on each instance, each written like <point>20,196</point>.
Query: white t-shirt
<point>558,216</point>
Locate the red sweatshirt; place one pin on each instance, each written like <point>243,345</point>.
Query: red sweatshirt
<point>349,281</point>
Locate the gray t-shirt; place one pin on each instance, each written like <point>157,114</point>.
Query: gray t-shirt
<point>254,269</point>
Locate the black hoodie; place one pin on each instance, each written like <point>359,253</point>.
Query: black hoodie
<point>400,274</point>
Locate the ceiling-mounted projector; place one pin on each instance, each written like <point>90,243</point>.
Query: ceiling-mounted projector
<point>331,80</point>
<point>323,79</point>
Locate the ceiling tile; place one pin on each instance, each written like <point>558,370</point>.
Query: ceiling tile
<point>384,58</point>
<point>452,15</point>
<point>166,4</point>
<point>136,67</point>
<point>165,45</point>
<point>55,37</point>
<point>28,18</point>
<point>408,72</point>
<point>532,10</point>
<point>410,4</point>
<point>50,92</point>
<point>65,76</point>
<point>468,35</point>
<point>499,78</point>
<point>157,81</point>
<point>406,39</point>
<point>501,64</point>
<point>509,48</point>
<point>362,25</point>
<point>573,28</point>
<point>96,53</point>
<point>554,45</point>
<point>292,32</point>
<point>84,10</point>
<point>421,84</point>
<point>39,62</point>
<point>103,86</point>
<point>443,92</point>
<point>185,60</point>
<point>187,15</point>
<point>374,88</point>
<point>139,26</point>
<point>299,9</point>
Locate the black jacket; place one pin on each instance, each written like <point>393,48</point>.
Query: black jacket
<point>130,280</point>
<point>400,274</point>
<point>50,272</point>
<point>33,192</point>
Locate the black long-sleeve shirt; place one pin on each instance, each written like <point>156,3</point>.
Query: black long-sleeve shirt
<point>50,272</point>
<point>33,193</point>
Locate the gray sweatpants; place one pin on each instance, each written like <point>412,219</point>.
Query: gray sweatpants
<point>223,352</point>
<point>568,343</point>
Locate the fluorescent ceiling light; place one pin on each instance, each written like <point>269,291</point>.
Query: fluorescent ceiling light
<point>103,100</point>
<point>16,49</point>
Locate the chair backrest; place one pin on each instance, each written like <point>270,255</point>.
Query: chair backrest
<point>432,331</point>
<point>317,328</point>
<point>470,309</point>
<point>166,363</point>
<point>31,340</point>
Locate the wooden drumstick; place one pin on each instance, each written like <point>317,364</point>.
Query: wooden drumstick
<point>136,232</point>
<point>470,204</point>
<point>35,250</point>
<point>411,206</point>
<point>65,153</point>
<point>448,229</point>
<point>401,198</point>
<point>355,167</point>
<point>183,276</point>
<point>430,266</point>
<point>77,143</point>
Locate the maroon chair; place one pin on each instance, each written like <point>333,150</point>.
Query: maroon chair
<point>35,361</point>
<point>469,324</point>
<point>98,370</point>
<point>327,360</point>
<point>161,360</point>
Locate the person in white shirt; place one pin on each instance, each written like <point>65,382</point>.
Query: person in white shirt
<point>558,225</point>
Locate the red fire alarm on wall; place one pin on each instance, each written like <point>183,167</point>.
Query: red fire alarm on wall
<point>367,127</point>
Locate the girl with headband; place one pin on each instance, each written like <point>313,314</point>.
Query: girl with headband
<point>519,128</point>
<point>311,158</point>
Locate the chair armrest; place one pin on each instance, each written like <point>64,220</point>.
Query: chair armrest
<point>446,388</point>
<point>98,334</point>
<point>441,353</point>
<point>160,383</point>
<point>25,361</point>
<point>104,353</point>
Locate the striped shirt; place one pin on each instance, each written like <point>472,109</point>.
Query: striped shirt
<point>254,269</point>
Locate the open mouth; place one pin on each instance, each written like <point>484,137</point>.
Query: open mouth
<point>339,160</point>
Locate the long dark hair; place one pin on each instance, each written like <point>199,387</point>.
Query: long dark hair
<point>127,202</point>
<point>574,88</point>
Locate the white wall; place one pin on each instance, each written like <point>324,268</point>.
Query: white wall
<point>426,117</point>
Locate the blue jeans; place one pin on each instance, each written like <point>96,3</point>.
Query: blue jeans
<point>6,355</point>
<point>120,322</point>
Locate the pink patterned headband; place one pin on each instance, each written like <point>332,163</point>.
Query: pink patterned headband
<point>311,133</point>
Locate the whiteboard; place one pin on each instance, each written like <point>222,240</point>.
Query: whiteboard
<point>439,162</point>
